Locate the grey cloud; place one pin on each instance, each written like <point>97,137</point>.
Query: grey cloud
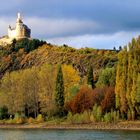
<point>61,27</point>
<point>112,15</point>
<point>64,18</point>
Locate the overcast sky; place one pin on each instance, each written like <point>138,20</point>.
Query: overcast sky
<point>78,23</point>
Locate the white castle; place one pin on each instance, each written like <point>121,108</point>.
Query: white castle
<point>20,31</point>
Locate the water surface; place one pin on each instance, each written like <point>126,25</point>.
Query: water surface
<point>44,134</point>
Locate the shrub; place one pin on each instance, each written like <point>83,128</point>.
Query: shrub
<point>86,117</point>
<point>31,120</point>
<point>96,114</point>
<point>79,118</point>
<point>20,120</point>
<point>10,121</point>
<point>107,117</point>
<point>82,101</point>
<point>40,118</point>
<point>115,116</point>
<point>69,117</point>
<point>15,121</point>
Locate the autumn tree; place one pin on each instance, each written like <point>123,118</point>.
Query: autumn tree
<point>108,102</point>
<point>30,90</point>
<point>71,80</point>
<point>138,94</point>
<point>10,92</point>
<point>46,76</point>
<point>127,79</point>
<point>121,83</point>
<point>82,101</point>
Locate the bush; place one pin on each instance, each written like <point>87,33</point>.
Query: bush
<point>107,117</point>
<point>86,117</point>
<point>10,121</point>
<point>82,101</point>
<point>115,116</point>
<point>96,114</point>
<point>39,118</point>
<point>15,121</point>
<point>79,118</point>
<point>69,117</point>
<point>30,120</point>
<point>20,120</point>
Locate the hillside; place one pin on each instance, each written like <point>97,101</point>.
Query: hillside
<point>89,86</point>
<point>26,53</point>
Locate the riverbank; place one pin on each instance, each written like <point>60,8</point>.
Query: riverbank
<point>135,125</point>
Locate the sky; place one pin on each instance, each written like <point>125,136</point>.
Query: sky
<point>102,24</point>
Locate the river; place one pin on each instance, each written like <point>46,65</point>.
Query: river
<point>44,134</point>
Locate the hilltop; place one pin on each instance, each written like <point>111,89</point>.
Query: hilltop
<point>26,53</point>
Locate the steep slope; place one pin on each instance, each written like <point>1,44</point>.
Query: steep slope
<point>25,54</point>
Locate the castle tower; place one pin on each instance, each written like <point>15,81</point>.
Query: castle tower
<point>19,27</point>
<point>20,31</point>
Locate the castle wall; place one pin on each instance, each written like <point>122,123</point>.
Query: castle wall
<point>12,33</point>
<point>21,30</point>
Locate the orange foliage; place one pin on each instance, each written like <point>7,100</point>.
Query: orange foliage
<point>82,101</point>
<point>108,102</point>
<point>86,98</point>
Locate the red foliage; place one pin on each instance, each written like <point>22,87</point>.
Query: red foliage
<point>98,95</point>
<point>82,101</point>
<point>108,102</point>
<point>86,98</point>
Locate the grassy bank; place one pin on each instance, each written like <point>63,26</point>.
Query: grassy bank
<point>124,125</point>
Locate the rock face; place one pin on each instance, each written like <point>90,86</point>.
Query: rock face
<point>20,31</point>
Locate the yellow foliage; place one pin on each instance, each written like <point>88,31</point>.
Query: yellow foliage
<point>30,120</point>
<point>40,118</point>
<point>71,78</point>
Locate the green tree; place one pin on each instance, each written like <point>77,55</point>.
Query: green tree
<point>107,77</point>
<point>59,91</point>
<point>90,80</point>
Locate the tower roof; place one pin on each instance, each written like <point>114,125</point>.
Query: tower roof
<point>19,15</point>
<point>19,19</point>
